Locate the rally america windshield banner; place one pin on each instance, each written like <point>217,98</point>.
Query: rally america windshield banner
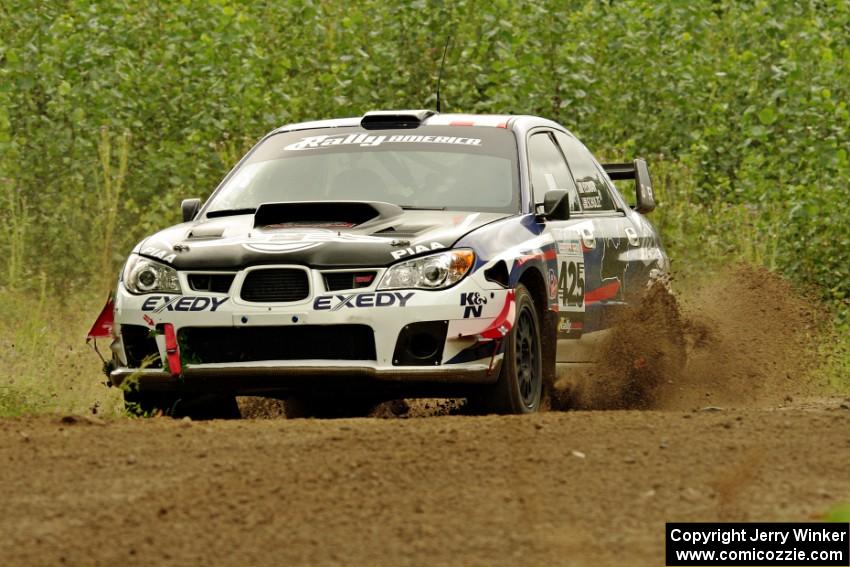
<point>366,140</point>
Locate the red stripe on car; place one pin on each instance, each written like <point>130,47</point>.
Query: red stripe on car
<point>602,293</point>
<point>504,321</point>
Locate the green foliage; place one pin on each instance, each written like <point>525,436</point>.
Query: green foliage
<point>111,112</point>
<point>740,105</point>
<point>44,364</point>
<point>839,513</point>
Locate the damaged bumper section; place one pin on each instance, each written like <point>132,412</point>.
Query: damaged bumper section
<point>244,340</point>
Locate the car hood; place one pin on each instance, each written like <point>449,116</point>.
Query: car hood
<point>317,234</point>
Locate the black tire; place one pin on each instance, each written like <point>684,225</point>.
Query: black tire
<point>179,405</point>
<point>296,407</point>
<point>519,388</point>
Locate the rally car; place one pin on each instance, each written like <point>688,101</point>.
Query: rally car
<point>398,254</point>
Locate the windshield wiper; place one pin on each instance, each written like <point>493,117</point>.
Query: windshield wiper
<point>415,208</point>
<point>231,212</point>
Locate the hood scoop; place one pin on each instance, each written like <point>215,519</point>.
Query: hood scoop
<point>326,214</point>
<point>205,232</point>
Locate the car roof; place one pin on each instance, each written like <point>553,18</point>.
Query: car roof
<point>430,118</point>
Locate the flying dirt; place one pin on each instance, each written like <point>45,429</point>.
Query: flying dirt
<point>742,338</point>
<point>727,423</point>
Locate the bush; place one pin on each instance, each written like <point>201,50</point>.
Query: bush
<point>742,105</point>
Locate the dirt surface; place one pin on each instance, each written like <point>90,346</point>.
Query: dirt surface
<point>731,426</point>
<point>578,488</point>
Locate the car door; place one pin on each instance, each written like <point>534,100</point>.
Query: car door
<point>548,171</point>
<point>607,258</point>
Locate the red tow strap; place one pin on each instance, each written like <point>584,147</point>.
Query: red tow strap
<point>172,351</point>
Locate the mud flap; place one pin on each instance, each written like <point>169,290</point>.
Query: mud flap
<point>102,329</point>
<point>549,346</point>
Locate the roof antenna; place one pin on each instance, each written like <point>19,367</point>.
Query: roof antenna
<point>440,74</point>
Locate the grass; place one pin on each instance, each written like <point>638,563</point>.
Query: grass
<point>45,365</point>
<point>838,513</point>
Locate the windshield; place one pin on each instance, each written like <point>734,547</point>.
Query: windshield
<point>441,167</point>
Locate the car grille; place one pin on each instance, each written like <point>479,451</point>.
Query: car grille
<point>275,285</point>
<point>336,281</point>
<point>294,342</point>
<point>140,346</point>
<point>219,283</point>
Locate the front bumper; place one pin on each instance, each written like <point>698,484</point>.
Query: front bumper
<point>473,315</point>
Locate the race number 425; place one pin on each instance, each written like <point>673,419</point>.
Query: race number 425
<point>571,284</point>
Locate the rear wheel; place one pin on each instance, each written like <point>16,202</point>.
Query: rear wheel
<point>179,404</point>
<point>520,385</point>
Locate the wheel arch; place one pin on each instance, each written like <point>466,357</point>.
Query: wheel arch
<point>533,280</point>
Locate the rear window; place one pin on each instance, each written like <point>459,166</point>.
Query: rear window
<point>442,167</point>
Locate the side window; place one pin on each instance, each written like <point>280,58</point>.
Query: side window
<point>592,185</point>
<point>549,170</point>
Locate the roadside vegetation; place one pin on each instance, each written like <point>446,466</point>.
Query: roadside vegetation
<point>112,112</point>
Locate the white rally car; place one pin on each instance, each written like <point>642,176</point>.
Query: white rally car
<point>398,254</point>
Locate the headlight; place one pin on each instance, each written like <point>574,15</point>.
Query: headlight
<point>146,276</point>
<point>436,271</point>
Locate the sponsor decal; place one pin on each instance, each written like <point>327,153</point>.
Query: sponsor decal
<point>158,253</point>
<point>296,241</point>
<point>307,224</point>
<point>160,303</point>
<point>359,300</point>
<point>473,304</point>
<point>418,249</point>
<point>570,326</point>
<point>553,284</point>
<point>567,241</point>
<point>369,141</point>
<point>569,247</point>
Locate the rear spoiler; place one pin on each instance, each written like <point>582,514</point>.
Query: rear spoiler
<point>638,171</point>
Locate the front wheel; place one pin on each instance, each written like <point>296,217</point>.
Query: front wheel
<point>519,388</point>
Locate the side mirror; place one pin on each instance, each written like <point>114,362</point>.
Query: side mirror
<point>556,205</point>
<point>643,188</point>
<point>637,170</point>
<point>190,208</point>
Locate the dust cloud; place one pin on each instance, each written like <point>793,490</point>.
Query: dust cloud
<point>742,337</point>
